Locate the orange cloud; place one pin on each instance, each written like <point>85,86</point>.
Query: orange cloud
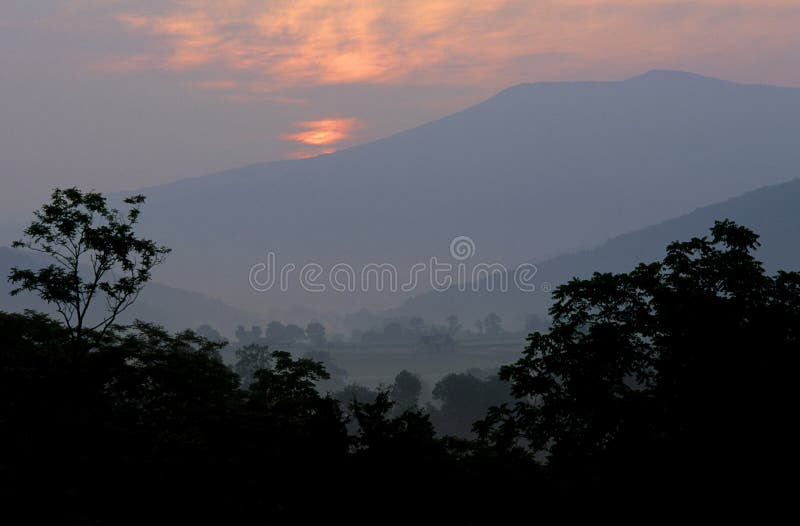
<point>268,46</point>
<point>309,153</point>
<point>320,136</point>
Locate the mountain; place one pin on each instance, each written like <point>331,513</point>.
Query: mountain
<point>173,308</point>
<point>537,170</point>
<point>773,212</point>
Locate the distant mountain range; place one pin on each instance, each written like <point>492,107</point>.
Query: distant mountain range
<point>773,212</point>
<point>535,171</point>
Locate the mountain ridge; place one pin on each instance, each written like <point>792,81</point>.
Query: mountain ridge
<point>657,74</point>
<point>771,211</point>
<point>536,169</point>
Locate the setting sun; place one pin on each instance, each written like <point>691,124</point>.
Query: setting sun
<point>325,132</point>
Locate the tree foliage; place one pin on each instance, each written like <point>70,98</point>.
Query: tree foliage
<point>677,365</point>
<point>406,390</point>
<point>671,381</point>
<point>95,253</point>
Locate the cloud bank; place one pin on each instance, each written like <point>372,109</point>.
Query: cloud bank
<point>256,46</point>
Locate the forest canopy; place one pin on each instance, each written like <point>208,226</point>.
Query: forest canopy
<point>668,381</point>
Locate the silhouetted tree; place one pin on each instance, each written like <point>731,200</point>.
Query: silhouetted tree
<point>337,376</point>
<point>95,254</point>
<point>406,390</point>
<point>355,393</point>
<point>288,378</point>
<point>250,337</point>
<point>409,436</point>
<point>209,333</point>
<point>663,376</point>
<point>158,420</point>
<point>249,360</point>
<point>464,399</point>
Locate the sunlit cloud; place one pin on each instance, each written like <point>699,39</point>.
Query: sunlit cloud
<point>268,46</point>
<point>279,51</point>
<point>308,153</point>
<point>321,136</point>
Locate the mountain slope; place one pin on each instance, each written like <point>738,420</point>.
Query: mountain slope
<point>772,212</point>
<point>534,171</point>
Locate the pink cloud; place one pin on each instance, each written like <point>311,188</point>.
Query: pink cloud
<point>274,45</point>
<point>321,136</point>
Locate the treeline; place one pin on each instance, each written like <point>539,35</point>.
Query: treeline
<point>674,381</point>
<point>275,334</point>
<point>411,331</point>
<point>460,399</point>
<point>671,386</point>
<point>150,426</point>
<point>456,401</point>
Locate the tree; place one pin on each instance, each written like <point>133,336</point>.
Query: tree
<point>173,381</point>
<point>406,390</point>
<point>251,359</point>
<point>673,370</point>
<point>286,390</point>
<point>249,337</point>
<point>408,437</point>
<point>209,333</point>
<point>355,393</point>
<point>275,333</point>
<point>349,395</point>
<point>289,378</point>
<point>95,253</point>
<point>336,375</point>
<point>464,399</point>
<point>293,333</point>
<point>315,332</point>
<point>493,324</point>
<point>453,325</point>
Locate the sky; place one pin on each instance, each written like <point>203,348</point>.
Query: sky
<point>124,94</point>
